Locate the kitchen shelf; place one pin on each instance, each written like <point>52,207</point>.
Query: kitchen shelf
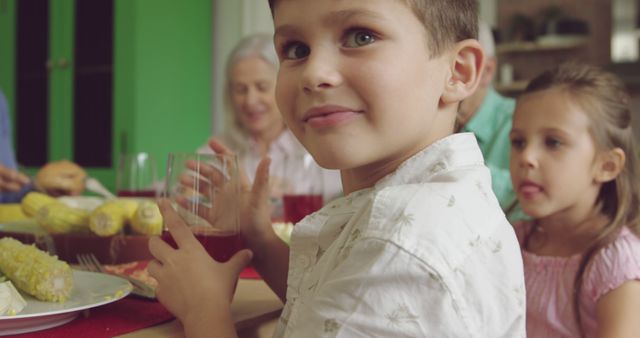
<point>550,43</point>
<point>513,87</point>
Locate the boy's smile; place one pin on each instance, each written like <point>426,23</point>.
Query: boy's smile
<point>328,116</point>
<point>357,85</point>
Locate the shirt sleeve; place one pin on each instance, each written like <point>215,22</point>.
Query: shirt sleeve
<point>16,197</point>
<point>379,290</point>
<point>7,155</point>
<point>614,265</point>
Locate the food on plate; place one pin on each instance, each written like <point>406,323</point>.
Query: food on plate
<point>57,218</point>
<point>32,201</point>
<point>283,230</point>
<point>147,219</point>
<point>130,205</point>
<point>111,217</point>
<point>69,214</point>
<point>11,301</point>
<point>12,212</point>
<point>61,178</point>
<point>35,272</point>
<point>88,203</point>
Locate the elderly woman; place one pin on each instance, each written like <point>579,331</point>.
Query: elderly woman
<point>256,128</point>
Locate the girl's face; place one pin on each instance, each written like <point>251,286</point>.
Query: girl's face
<point>553,156</point>
<point>252,89</point>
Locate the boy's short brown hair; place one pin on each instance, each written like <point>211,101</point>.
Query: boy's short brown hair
<point>445,21</point>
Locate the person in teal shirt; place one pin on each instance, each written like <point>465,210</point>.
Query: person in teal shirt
<point>488,115</point>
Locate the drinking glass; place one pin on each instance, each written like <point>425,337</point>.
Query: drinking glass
<point>136,175</point>
<point>204,189</point>
<point>302,185</point>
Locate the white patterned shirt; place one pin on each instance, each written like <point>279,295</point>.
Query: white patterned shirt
<point>426,252</point>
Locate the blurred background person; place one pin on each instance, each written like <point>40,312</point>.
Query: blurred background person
<point>488,115</point>
<point>13,184</point>
<point>255,126</point>
<point>58,178</point>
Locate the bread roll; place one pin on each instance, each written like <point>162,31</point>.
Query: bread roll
<point>61,178</point>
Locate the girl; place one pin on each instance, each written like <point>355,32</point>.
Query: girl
<point>574,169</point>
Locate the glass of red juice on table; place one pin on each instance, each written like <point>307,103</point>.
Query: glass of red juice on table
<point>136,175</point>
<point>204,189</point>
<point>303,186</point>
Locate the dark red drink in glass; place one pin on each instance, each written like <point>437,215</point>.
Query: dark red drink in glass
<point>296,207</point>
<point>137,193</point>
<point>221,246</point>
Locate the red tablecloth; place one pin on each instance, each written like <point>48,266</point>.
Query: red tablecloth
<point>250,273</point>
<point>126,315</point>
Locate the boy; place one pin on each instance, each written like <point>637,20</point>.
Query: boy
<point>418,246</point>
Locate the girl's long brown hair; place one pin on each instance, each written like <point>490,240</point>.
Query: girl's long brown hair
<point>606,101</point>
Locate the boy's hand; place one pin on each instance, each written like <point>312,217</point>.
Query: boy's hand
<point>12,180</point>
<point>191,284</point>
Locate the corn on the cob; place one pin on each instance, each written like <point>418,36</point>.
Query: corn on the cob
<point>58,218</point>
<point>35,272</point>
<point>12,212</point>
<point>32,201</point>
<point>129,205</point>
<point>147,220</point>
<point>109,218</point>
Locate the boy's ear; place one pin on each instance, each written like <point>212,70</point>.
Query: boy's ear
<point>465,73</point>
<point>609,165</point>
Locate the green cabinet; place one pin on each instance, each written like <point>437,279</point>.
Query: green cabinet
<point>87,80</point>
<point>58,76</point>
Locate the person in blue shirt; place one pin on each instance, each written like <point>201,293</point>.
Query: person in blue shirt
<point>56,178</point>
<point>13,184</point>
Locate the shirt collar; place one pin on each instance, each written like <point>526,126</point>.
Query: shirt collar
<point>451,152</point>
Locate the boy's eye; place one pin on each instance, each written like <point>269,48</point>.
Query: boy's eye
<point>295,50</point>
<point>358,38</point>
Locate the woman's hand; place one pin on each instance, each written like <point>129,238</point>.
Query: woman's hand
<point>255,208</point>
<point>192,285</point>
<point>271,257</point>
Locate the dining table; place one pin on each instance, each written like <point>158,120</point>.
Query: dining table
<point>255,310</point>
<point>255,307</point>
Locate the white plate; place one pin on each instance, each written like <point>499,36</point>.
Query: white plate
<point>90,290</point>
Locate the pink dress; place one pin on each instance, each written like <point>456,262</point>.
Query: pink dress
<point>549,284</point>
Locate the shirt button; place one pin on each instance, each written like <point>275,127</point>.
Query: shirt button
<point>303,261</point>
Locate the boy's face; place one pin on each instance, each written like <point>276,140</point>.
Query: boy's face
<point>356,84</point>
